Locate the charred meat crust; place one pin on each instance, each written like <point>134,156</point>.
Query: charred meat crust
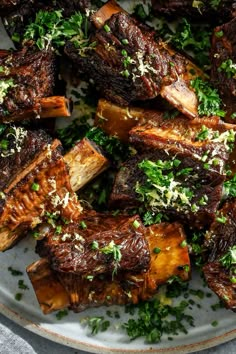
<point>223,50</point>
<point>73,250</point>
<point>220,238</point>
<point>32,75</point>
<point>13,161</point>
<point>218,280</point>
<point>225,10</point>
<point>149,65</point>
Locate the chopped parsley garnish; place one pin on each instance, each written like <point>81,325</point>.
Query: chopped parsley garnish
<point>136,224</point>
<point>229,258</point>
<point>110,144</point>
<point>5,86</point>
<point>229,68</point>
<point>184,244</point>
<point>113,250</point>
<point>214,4</point>
<point>161,188</point>
<point>18,296</point>
<point>141,14</point>
<point>98,324</point>
<point>22,285</point>
<point>156,250</point>
<point>221,219</point>
<point>155,319</point>
<point>35,187</point>
<point>191,38</point>
<point>209,101</point>
<point>219,34</point>
<point>203,133</point>
<point>214,323</point>
<point>61,314</point>
<point>230,187</point>
<point>94,245</point>
<point>150,218</point>
<point>83,225</point>
<point>107,28</point>
<point>51,29</point>
<point>15,272</point>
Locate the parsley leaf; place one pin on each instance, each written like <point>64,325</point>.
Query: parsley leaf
<point>229,258</point>
<point>98,324</point>
<point>229,67</point>
<point>51,29</point>
<point>208,97</point>
<point>230,187</point>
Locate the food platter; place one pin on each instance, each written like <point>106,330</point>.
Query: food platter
<point>211,327</point>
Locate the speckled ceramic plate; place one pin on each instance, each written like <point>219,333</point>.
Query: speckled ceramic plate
<point>72,331</point>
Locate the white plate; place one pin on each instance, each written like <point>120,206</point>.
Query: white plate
<point>72,332</point>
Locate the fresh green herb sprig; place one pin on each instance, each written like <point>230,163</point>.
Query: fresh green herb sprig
<point>51,29</point>
<point>230,187</point>
<point>191,38</point>
<point>110,249</point>
<point>150,218</point>
<point>229,67</point>
<point>110,144</point>
<point>209,100</point>
<point>229,258</point>
<point>161,188</point>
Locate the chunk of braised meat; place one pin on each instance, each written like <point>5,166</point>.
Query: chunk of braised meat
<point>38,187</point>
<point>125,287</point>
<point>26,76</point>
<point>223,10</point>
<point>223,65</point>
<point>126,63</point>
<point>97,244</point>
<point>184,187</point>
<point>220,239</point>
<point>18,149</point>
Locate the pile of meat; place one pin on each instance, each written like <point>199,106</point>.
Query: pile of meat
<point>177,170</point>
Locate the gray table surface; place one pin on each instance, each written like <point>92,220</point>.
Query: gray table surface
<point>17,340</point>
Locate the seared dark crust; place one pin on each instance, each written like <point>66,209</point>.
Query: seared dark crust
<point>224,48</point>
<point>12,165</point>
<point>150,68</point>
<point>224,11</point>
<point>220,238</point>
<point>33,74</point>
<point>218,280</point>
<point>72,251</point>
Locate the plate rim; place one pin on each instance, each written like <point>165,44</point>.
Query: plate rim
<point>77,344</point>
